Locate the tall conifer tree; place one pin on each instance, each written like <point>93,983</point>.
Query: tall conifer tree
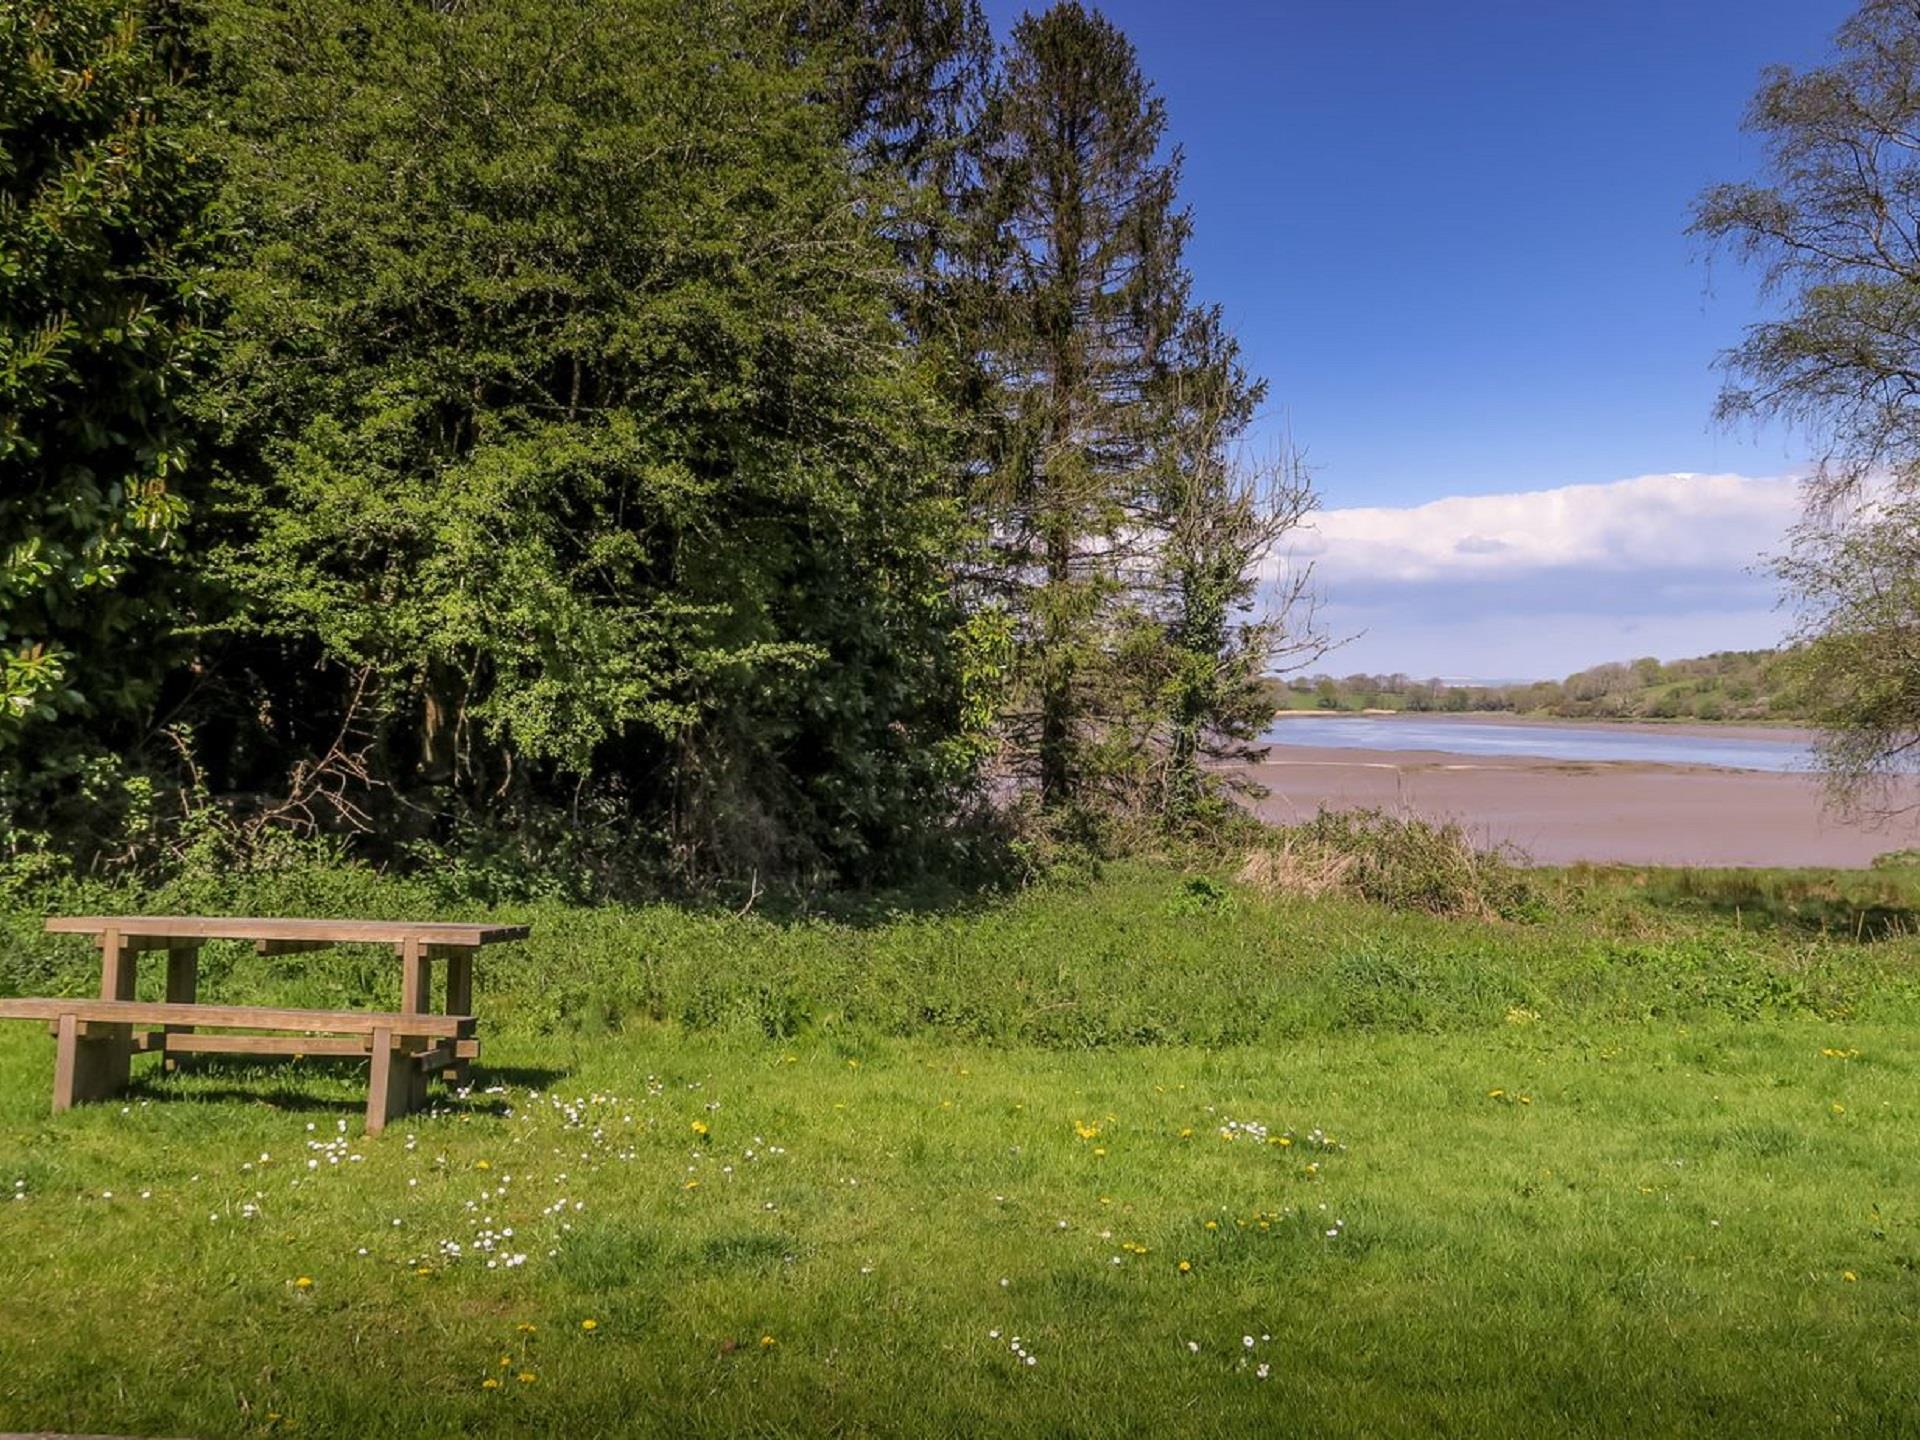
<point>1125,541</point>
<point>1088,290</point>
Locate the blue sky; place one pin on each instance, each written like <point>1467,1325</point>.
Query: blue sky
<point>1451,233</point>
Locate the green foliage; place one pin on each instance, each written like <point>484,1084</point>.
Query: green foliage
<point>641,442</point>
<point>578,421</point>
<point>1084,241</point>
<point>1832,227</point>
<point>1858,587</point>
<point>103,308</point>
<point>1120,533</point>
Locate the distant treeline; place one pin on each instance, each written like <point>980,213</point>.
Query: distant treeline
<point>1727,685</point>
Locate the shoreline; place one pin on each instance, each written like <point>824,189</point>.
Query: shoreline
<point>1562,812</point>
<point>1701,729</point>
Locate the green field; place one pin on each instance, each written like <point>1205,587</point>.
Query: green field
<point>1645,1163</point>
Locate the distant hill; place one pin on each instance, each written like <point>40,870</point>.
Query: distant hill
<point>1728,685</point>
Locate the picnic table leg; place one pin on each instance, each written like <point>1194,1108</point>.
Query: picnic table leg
<point>416,979</point>
<point>389,1089</point>
<point>183,988</point>
<point>416,998</point>
<point>459,1002</point>
<point>99,1063</point>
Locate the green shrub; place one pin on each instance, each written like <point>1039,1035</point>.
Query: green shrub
<point>1397,861</point>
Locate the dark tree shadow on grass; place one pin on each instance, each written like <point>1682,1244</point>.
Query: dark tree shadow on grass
<point>1851,906</point>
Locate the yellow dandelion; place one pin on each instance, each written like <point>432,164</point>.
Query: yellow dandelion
<point>1286,1140</point>
<point>1187,1134</point>
<point>424,1270</point>
<point>526,1377</point>
<point>1186,1267</point>
<point>700,1127</point>
<point>525,1329</point>
<point>305,1282</point>
<point>1213,1224</point>
<point>691,1185</point>
<point>767,1342</point>
<point>1084,1130</point>
<point>483,1165</point>
<point>506,1362</point>
<point>589,1324</point>
<point>1099,1149</point>
<point>1848,1276</point>
<point>490,1383</point>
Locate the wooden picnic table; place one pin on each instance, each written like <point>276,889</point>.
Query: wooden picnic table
<point>97,1041</point>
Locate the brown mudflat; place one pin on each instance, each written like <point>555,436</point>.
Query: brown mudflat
<point>1564,811</point>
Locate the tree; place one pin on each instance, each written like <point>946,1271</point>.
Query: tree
<point>1126,536</point>
<point>570,430</point>
<point>103,311</point>
<point>1087,296</point>
<point>1214,520</point>
<point>906,80</point>
<point>1835,230</point>
<point>1856,673</point>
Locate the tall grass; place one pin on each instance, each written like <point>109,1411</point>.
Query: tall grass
<point>1146,955</point>
<point>1402,862</point>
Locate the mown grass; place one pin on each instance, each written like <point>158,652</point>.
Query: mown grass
<point>1628,1169</point>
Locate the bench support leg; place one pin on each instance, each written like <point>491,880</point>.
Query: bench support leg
<point>459,1002</point>
<point>183,988</point>
<point>90,1067</point>
<point>386,1095</point>
<point>387,1087</point>
<point>396,1085</point>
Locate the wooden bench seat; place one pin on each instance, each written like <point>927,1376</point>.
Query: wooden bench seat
<point>97,1037</point>
<point>236,1017</point>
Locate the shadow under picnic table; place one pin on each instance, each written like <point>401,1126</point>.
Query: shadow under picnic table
<point>305,1084</point>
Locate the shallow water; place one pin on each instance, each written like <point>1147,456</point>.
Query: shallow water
<point>1736,751</point>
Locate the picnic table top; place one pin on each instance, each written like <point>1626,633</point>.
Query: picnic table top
<point>205,927</point>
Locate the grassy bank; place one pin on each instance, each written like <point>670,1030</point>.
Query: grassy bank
<point>1142,955</point>
<point>1642,1162</point>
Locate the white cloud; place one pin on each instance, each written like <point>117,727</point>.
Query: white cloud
<point>1656,522</point>
<point>1545,582</point>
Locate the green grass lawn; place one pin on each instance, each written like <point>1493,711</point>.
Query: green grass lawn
<point>1471,1208</point>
